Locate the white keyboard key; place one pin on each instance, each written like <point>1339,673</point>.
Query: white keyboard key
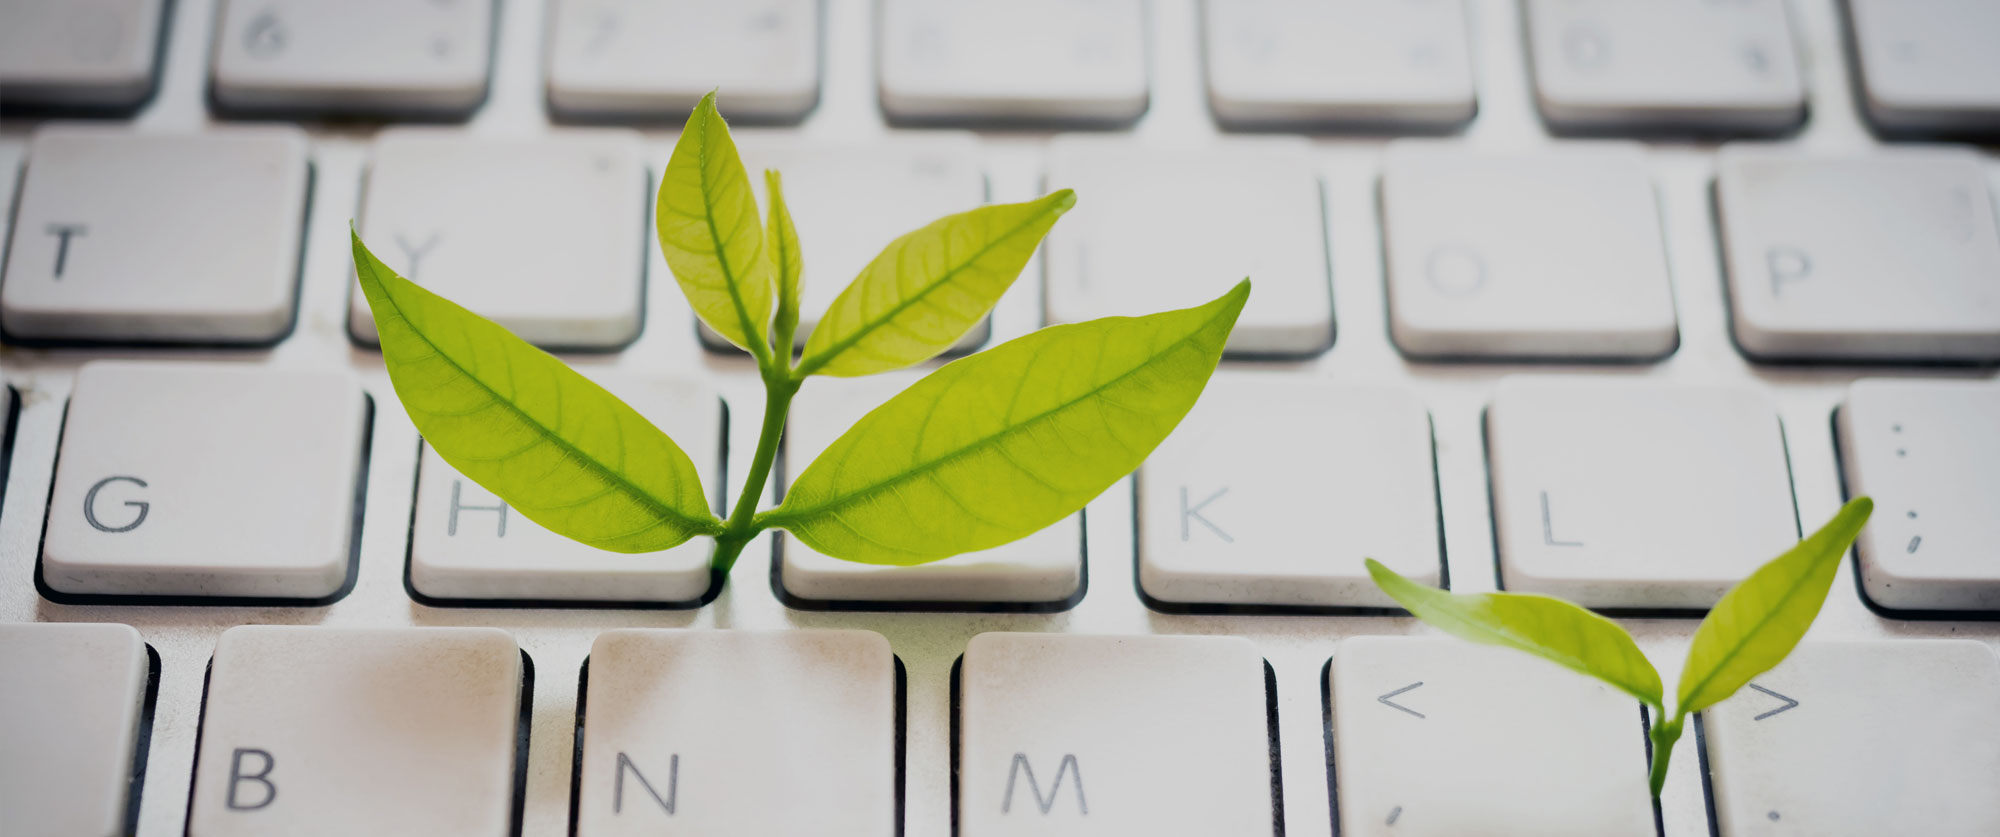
<point>1927,65</point>
<point>79,53</point>
<point>1443,737</point>
<point>647,59</point>
<point>1338,62</point>
<point>1242,208</point>
<point>352,56</point>
<point>466,543</point>
<point>70,702</point>
<point>1112,735</point>
<point>1609,65</point>
<point>1891,257</point>
<point>1596,480</point>
<point>1273,490</point>
<point>312,731</point>
<point>739,734</point>
<point>1022,60</point>
<point>546,236</point>
<point>1550,255</point>
<point>1043,570</point>
<point>134,238</point>
<point>1928,452</point>
<point>1856,739</point>
<point>850,201</point>
<point>185,479</point>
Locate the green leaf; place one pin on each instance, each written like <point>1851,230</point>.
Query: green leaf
<point>557,447</point>
<point>928,288</point>
<point>707,220</point>
<point>996,446</point>
<point>786,261</point>
<point>1546,627</point>
<point>1762,618</point>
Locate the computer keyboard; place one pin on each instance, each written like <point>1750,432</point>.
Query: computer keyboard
<point>1588,297</point>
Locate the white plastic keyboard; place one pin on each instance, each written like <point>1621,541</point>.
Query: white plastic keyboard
<point>1596,333</point>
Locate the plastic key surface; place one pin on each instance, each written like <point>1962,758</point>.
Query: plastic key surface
<point>79,53</point>
<point>739,734</point>
<point>352,57</point>
<point>1929,453</point>
<point>206,480</point>
<point>70,702</point>
<point>1595,481</point>
<point>333,732</point>
<point>1068,735</point>
<point>171,238</point>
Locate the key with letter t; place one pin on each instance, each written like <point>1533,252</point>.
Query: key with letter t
<point>1096,736</point>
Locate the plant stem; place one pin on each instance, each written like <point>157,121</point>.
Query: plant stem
<point>1663,737</point>
<point>779,387</point>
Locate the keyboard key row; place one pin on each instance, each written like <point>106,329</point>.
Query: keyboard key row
<point>1592,480</point>
<point>1596,65</point>
<point>310,731</point>
<point>1559,255</point>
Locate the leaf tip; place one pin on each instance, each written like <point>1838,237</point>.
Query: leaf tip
<point>1062,200</point>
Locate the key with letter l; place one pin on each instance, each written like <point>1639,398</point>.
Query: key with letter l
<point>1112,735</point>
<point>1857,739</point>
<point>1929,453</point>
<point>133,238</point>
<point>70,700</point>
<point>739,734</point>
<point>192,479</point>
<point>1889,257</point>
<point>1596,480</point>
<point>1440,738</point>
<point>1272,491</point>
<point>332,732</point>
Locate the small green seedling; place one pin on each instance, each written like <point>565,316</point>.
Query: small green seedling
<point>985,450</point>
<point>1752,629</point>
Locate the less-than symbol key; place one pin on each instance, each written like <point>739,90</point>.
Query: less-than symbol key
<point>1385,701</point>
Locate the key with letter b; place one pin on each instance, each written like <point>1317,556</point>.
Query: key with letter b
<point>312,731</point>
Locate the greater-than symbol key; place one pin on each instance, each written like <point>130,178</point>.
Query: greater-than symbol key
<point>1789,703</point>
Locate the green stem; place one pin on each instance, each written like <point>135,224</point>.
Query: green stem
<point>1663,737</point>
<point>779,387</point>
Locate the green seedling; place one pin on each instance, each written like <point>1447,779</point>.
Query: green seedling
<point>985,450</point>
<point>1755,625</point>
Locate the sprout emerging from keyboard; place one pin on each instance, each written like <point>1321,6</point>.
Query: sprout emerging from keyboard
<point>985,450</point>
<point>1753,628</point>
